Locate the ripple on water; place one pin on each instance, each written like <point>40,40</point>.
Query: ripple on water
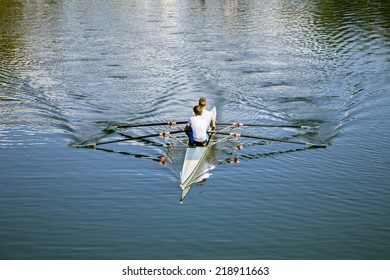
<point>68,71</point>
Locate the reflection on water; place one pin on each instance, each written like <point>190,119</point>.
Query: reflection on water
<point>263,60</point>
<point>71,69</point>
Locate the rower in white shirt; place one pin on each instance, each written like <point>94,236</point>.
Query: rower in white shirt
<point>206,113</point>
<point>197,127</point>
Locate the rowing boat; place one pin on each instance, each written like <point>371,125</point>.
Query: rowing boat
<point>193,160</point>
<point>197,161</point>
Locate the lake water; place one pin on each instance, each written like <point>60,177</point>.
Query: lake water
<point>71,69</point>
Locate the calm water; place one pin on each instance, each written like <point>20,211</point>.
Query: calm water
<point>70,69</point>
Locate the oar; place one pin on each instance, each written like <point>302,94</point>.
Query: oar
<point>148,124</point>
<point>264,125</point>
<point>129,138</point>
<point>273,139</point>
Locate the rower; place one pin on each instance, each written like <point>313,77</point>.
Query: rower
<point>206,113</point>
<point>196,128</point>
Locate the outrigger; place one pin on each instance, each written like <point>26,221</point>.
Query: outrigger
<point>195,157</point>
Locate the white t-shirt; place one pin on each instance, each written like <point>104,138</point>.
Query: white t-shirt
<point>207,115</point>
<point>199,126</point>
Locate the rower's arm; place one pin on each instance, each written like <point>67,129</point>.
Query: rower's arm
<point>213,124</point>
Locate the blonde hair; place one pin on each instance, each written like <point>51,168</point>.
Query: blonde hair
<point>202,102</point>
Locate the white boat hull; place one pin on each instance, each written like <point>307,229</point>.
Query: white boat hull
<point>192,161</point>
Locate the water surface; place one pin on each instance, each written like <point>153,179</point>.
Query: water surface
<point>71,69</point>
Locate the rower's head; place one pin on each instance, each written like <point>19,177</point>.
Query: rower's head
<point>202,102</point>
<point>198,110</point>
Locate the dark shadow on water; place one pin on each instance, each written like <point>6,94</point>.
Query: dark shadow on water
<point>215,158</point>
